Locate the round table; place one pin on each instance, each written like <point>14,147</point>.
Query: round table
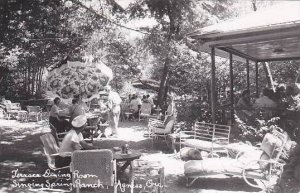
<point>127,158</point>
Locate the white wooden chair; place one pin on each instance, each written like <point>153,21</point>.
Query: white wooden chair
<point>12,109</point>
<point>34,113</point>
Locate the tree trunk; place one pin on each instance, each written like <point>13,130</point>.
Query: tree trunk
<point>254,5</point>
<point>268,75</point>
<point>28,80</point>
<point>4,18</point>
<point>208,92</point>
<point>163,84</point>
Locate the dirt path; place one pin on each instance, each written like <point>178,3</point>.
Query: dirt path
<point>20,148</point>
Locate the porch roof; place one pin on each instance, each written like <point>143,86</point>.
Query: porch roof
<point>271,34</point>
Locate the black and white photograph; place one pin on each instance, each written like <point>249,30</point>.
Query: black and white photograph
<point>149,96</point>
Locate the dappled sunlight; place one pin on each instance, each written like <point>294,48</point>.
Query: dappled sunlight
<point>172,164</point>
<point>37,153</point>
<point>17,164</point>
<point>19,137</point>
<point>6,142</point>
<point>22,150</point>
<point>17,124</point>
<point>130,134</point>
<point>12,189</point>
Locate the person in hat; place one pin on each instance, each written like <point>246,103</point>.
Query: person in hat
<point>113,103</point>
<point>72,141</point>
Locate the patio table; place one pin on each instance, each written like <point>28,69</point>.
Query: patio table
<point>127,158</point>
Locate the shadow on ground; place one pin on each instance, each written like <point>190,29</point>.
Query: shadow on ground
<point>21,149</point>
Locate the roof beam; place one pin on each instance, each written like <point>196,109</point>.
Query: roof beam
<point>236,52</point>
<point>223,41</point>
<point>245,32</point>
<point>278,59</point>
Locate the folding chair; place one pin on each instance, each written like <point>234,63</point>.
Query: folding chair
<point>51,150</point>
<point>98,165</point>
<point>158,129</point>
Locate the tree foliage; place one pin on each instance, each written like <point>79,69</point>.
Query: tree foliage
<point>34,36</point>
<point>41,35</point>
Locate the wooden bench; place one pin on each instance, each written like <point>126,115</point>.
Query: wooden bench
<point>212,138</point>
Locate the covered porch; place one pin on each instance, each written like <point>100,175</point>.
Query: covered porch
<point>271,34</point>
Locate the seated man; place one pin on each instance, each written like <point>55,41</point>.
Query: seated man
<point>72,141</point>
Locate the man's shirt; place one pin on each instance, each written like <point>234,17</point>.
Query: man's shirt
<point>70,143</point>
<point>114,101</point>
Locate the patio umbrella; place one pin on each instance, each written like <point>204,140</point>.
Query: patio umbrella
<point>77,78</point>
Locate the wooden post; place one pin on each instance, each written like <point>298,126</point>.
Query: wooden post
<point>256,79</point>
<point>213,86</point>
<point>231,89</point>
<point>248,75</point>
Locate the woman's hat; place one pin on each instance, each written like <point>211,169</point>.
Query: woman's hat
<point>79,121</point>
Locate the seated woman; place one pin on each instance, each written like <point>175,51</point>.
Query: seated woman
<point>59,123</point>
